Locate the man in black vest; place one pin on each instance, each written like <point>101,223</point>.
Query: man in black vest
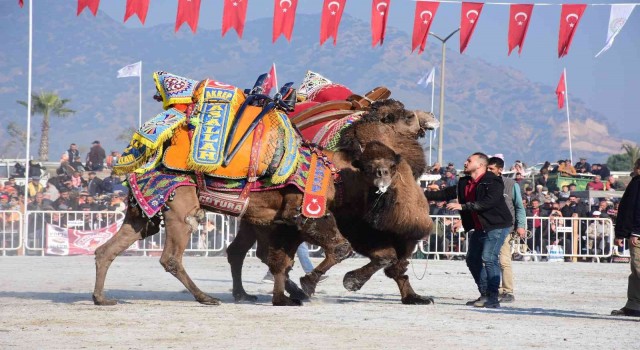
<point>628,226</point>
<point>482,209</point>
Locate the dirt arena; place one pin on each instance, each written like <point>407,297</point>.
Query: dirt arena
<point>45,302</point>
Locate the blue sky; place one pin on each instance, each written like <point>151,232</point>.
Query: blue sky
<point>609,84</point>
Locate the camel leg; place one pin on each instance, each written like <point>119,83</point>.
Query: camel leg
<point>134,228</point>
<point>354,280</point>
<point>397,271</point>
<point>181,220</point>
<point>236,253</point>
<point>280,261</point>
<point>325,233</point>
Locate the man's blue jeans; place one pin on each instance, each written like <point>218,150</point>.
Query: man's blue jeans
<point>483,259</point>
<point>303,257</point>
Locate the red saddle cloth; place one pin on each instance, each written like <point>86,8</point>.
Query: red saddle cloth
<point>325,93</point>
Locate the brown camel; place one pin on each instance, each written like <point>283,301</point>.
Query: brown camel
<point>266,209</point>
<point>386,232</point>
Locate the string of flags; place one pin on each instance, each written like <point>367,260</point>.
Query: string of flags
<point>234,16</point>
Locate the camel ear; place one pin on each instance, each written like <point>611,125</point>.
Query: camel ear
<point>357,163</point>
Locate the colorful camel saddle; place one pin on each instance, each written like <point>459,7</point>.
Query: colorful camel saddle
<point>154,188</point>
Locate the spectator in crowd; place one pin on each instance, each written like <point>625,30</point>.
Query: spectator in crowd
<point>435,169</point>
<point>4,202</point>
<point>582,167</point>
<point>598,234</point>
<point>76,164</point>
<point>34,186</point>
<point>11,188</point>
<point>604,171</point>
<point>518,168</point>
<point>40,203</point>
<point>64,202</point>
<point>543,178</point>
<point>450,168</point>
<point>95,206</point>
<point>565,168</point>
<point>536,225</point>
<point>483,209</point>
<point>96,157</point>
<point>513,199</point>
<point>77,182</point>
<point>519,180</point>
<point>628,226</point>
<point>117,202</point>
<point>572,187</point>
<point>112,159</point>
<point>596,184</point>
<point>574,206</point>
<point>613,211</point>
<point>563,195</point>
<point>51,192</point>
<point>602,208</point>
<point>72,153</point>
<point>437,208</point>
<point>36,169</point>
<point>94,184</point>
<point>528,194</point>
<point>450,179</point>
<point>538,193</point>
<point>614,185</point>
<point>548,197</point>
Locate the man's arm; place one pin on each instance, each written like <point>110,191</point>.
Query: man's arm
<point>442,195</point>
<point>495,194</point>
<point>635,229</point>
<point>521,215</point>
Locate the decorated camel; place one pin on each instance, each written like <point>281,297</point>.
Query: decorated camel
<point>184,157</point>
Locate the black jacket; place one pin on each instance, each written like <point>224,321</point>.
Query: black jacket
<point>490,205</point>
<point>628,220</point>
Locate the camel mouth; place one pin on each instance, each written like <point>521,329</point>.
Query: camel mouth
<point>382,185</point>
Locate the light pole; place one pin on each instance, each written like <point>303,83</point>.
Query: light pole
<point>441,132</point>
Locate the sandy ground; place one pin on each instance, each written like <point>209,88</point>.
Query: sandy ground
<point>45,302</point>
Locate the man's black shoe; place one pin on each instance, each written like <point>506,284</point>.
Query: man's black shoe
<point>625,312</point>
<point>481,299</point>
<point>506,298</point>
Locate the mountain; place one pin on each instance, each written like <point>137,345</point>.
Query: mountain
<point>487,108</point>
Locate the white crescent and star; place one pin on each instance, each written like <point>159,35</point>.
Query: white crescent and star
<point>315,211</point>
<point>284,9</point>
<point>472,20</point>
<point>426,20</point>
<point>572,15</point>
<point>383,5</point>
<point>520,22</point>
<point>333,12</point>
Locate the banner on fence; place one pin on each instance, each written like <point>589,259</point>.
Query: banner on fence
<point>70,241</point>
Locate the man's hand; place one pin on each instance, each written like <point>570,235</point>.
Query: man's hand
<point>454,206</point>
<point>521,232</point>
<point>635,241</point>
<point>619,242</point>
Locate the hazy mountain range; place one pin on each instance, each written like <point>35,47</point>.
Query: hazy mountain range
<point>488,108</point>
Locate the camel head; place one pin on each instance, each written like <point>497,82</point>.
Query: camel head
<point>427,120</point>
<point>403,121</point>
<point>379,164</point>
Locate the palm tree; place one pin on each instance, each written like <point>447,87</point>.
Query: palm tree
<point>633,152</point>
<point>47,103</point>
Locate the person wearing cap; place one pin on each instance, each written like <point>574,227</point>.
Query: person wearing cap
<point>482,209</point>
<point>96,157</point>
<point>582,167</point>
<point>513,199</point>
<point>34,186</point>
<point>598,233</point>
<point>628,227</point>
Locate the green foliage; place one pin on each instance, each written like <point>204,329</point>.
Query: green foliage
<point>618,162</point>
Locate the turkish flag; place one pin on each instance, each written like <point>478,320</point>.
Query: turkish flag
<point>468,19</point>
<point>91,4</point>
<point>425,12</point>
<point>561,90</point>
<point>569,18</point>
<point>379,15</point>
<point>519,18</point>
<point>137,7</point>
<point>284,16</point>
<point>188,11</point>
<point>235,12</point>
<point>21,3</point>
<point>330,21</point>
<point>272,80</point>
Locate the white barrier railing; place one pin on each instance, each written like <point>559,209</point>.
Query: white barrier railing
<point>10,231</point>
<point>553,238</point>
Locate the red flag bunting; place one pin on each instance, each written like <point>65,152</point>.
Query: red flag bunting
<point>330,21</point>
<point>272,80</point>
<point>137,7</point>
<point>235,12</point>
<point>284,16</point>
<point>561,90</point>
<point>468,19</point>
<point>425,12</point>
<point>379,15</point>
<point>519,18</point>
<point>21,3</point>
<point>569,18</point>
<point>91,4</point>
<point>189,12</point>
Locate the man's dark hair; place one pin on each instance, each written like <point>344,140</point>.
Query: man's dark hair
<point>73,144</point>
<point>483,157</point>
<point>498,162</point>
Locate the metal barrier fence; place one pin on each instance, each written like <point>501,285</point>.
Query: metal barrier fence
<point>10,231</point>
<point>553,238</point>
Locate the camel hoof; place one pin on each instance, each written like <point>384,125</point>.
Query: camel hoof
<point>102,301</point>
<point>294,291</point>
<point>351,282</point>
<point>417,300</point>
<point>245,298</point>
<point>308,286</point>
<point>207,300</point>
<point>285,301</point>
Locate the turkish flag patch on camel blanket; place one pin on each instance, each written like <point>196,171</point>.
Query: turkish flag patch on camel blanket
<point>314,203</point>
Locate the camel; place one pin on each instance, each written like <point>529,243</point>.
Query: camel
<point>387,231</point>
<point>279,207</point>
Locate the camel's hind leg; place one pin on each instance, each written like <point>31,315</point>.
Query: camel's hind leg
<point>236,252</point>
<point>323,232</point>
<point>282,248</point>
<point>181,221</point>
<point>398,270</point>
<point>134,228</point>
<point>381,258</point>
